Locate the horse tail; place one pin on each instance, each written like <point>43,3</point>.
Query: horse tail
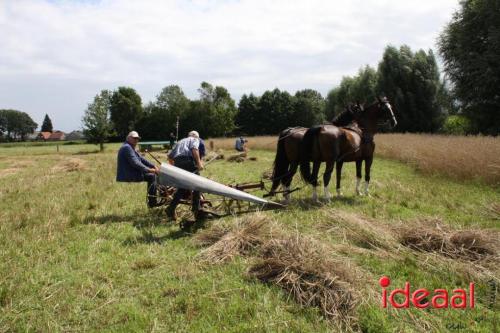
<point>281,163</point>
<point>306,149</point>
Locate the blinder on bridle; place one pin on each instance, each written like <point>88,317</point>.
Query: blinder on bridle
<point>388,120</point>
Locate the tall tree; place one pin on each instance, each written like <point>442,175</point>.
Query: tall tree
<point>126,110</point>
<point>275,112</point>
<point>97,126</point>
<point>213,114</point>
<point>247,111</point>
<point>3,123</point>
<point>309,108</point>
<point>16,124</point>
<point>160,117</point>
<point>470,47</point>
<point>360,88</point>
<point>47,124</point>
<point>411,82</point>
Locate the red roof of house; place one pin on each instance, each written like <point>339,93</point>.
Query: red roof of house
<point>45,135</point>
<point>57,135</point>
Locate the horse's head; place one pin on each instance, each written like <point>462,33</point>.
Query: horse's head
<point>351,113</point>
<point>385,113</point>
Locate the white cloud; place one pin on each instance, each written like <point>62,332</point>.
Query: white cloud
<point>77,48</point>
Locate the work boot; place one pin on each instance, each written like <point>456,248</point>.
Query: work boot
<point>153,203</point>
<point>200,215</point>
<point>171,213</point>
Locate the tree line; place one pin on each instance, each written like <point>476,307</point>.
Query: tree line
<point>409,79</point>
<point>465,101</point>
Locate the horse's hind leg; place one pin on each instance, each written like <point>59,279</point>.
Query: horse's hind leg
<point>314,179</point>
<point>288,180</point>
<point>339,176</point>
<point>358,176</point>
<point>326,178</point>
<point>368,165</point>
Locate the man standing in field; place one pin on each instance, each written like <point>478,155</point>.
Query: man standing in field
<point>186,155</point>
<point>132,167</point>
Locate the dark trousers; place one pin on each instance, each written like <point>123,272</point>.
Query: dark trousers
<point>151,179</point>
<point>187,164</point>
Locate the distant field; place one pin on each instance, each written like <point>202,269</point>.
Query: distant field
<point>39,143</point>
<point>459,157</point>
<point>81,252</point>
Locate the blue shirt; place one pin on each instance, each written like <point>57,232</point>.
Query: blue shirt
<point>239,144</point>
<point>131,166</point>
<point>183,148</point>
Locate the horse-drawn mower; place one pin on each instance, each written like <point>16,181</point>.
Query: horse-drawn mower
<point>216,200</point>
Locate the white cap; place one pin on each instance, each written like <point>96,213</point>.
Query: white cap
<point>194,134</point>
<point>133,134</point>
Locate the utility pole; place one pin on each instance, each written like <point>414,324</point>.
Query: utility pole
<point>177,130</point>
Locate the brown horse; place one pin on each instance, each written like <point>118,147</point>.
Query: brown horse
<point>288,152</point>
<point>287,159</point>
<point>330,144</point>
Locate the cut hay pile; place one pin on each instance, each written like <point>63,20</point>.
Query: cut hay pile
<point>471,245</point>
<point>226,243</point>
<point>8,172</point>
<point>237,157</point>
<point>211,236</point>
<point>212,155</point>
<point>241,157</point>
<point>359,231</point>
<point>71,165</point>
<point>307,271</point>
<point>268,174</point>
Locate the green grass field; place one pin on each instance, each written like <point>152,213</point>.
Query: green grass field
<point>80,252</point>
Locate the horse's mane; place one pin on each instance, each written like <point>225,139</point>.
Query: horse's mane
<point>347,116</point>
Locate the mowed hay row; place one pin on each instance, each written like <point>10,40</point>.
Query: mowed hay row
<point>466,244</point>
<point>358,230</point>
<point>307,270</point>
<point>460,157</point>
<point>70,165</point>
<point>227,242</point>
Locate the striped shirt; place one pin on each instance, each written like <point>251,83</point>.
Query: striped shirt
<point>183,148</point>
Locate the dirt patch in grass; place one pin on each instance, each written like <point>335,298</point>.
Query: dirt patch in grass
<point>70,165</point>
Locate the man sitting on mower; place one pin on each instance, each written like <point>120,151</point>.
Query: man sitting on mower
<point>186,155</point>
<point>132,167</point>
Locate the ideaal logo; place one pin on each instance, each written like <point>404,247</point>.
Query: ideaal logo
<point>440,298</point>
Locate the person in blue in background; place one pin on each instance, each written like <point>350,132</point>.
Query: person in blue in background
<point>239,145</point>
<point>132,167</point>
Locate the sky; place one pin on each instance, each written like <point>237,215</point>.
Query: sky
<point>56,55</point>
